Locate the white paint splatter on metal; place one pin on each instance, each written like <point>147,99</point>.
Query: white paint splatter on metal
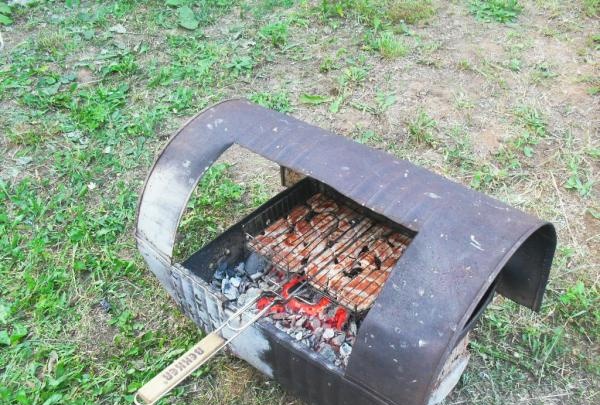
<point>475,243</point>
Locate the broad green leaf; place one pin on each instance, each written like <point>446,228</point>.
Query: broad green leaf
<point>364,138</point>
<point>335,106</point>
<point>4,314</point>
<point>175,2</point>
<point>5,9</point>
<point>313,99</point>
<point>187,18</point>
<point>19,331</point>
<point>51,90</point>
<point>594,152</point>
<point>5,20</point>
<point>4,338</point>
<point>54,399</point>
<point>88,34</point>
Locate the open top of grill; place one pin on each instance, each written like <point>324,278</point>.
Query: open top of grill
<point>414,256</point>
<point>342,252</point>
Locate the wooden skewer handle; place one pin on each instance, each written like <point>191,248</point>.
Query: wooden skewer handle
<point>181,368</point>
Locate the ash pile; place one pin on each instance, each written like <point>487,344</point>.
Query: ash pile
<point>244,282</point>
<point>315,321</point>
<point>305,315</point>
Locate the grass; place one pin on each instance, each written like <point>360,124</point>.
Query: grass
<point>216,196</point>
<point>275,33</point>
<point>578,180</point>
<point>421,128</point>
<point>5,12</point>
<point>278,101</point>
<point>532,118</point>
<point>542,72</point>
<point>90,92</point>
<point>352,75</point>
<point>592,7</point>
<point>410,11</point>
<point>375,13</point>
<point>389,45</point>
<point>502,11</point>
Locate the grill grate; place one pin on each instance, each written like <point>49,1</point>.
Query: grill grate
<point>343,253</point>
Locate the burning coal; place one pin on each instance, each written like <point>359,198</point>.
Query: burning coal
<point>306,315</point>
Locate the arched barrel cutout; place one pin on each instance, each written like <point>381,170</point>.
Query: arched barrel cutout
<point>463,242</point>
<point>234,186</point>
<point>537,251</point>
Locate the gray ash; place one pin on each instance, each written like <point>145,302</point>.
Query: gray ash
<point>322,332</point>
<point>242,282</point>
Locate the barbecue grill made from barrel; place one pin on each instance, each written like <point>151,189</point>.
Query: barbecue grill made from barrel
<point>443,252</point>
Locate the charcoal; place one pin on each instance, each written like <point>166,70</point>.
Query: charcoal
<point>231,305</point>
<point>250,294</point>
<point>221,271</point>
<point>253,292</point>
<point>243,299</point>
<point>328,334</point>
<point>339,339</point>
<point>230,272</point>
<point>352,328</point>
<point>318,334</point>
<point>229,290</point>
<point>328,353</point>
<point>279,315</point>
<point>255,263</point>
<point>243,283</point>
<point>235,281</point>
<point>330,312</point>
<point>345,350</point>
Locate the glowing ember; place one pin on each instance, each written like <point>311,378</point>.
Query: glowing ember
<point>303,312</point>
<point>296,306</point>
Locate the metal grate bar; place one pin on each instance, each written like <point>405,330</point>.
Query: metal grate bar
<point>349,266</point>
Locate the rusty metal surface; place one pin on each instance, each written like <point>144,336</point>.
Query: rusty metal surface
<point>296,367</point>
<point>465,240</point>
<point>289,177</point>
